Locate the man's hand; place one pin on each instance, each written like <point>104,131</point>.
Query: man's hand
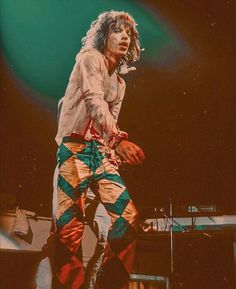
<point>130,152</point>
<point>124,69</point>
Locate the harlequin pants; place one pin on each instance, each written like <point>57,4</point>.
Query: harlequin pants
<point>82,165</point>
<point>99,222</point>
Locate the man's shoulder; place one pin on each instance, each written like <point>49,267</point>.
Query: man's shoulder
<point>90,55</point>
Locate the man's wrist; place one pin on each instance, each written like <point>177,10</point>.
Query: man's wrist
<point>116,139</point>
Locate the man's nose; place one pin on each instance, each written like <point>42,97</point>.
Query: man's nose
<point>125,35</point>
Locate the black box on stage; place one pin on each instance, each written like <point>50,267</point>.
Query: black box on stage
<point>201,259</point>
<point>18,268</point>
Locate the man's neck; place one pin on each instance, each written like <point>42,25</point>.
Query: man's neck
<point>112,62</point>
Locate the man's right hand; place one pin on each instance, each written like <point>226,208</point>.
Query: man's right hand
<point>130,152</point>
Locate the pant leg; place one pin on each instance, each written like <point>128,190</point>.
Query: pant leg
<point>54,195</point>
<point>121,242</point>
<point>73,181</point>
<point>99,221</point>
<point>43,277</point>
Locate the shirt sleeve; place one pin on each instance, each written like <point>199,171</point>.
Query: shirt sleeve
<point>59,107</point>
<point>91,84</point>
<point>116,105</point>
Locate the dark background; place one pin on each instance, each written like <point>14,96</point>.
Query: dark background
<point>180,109</point>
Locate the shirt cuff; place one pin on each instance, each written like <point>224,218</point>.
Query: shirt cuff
<point>116,139</point>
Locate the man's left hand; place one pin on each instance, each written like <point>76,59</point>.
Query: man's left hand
<point>130,152</point>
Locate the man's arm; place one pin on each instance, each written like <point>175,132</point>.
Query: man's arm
<point>128,151</point>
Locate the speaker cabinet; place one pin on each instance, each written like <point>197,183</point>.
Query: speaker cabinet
<point>202,260</point>
<point>17,269</point>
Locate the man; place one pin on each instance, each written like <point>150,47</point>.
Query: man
<point>89,141</point>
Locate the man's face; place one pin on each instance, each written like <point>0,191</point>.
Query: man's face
<point>118,41</point>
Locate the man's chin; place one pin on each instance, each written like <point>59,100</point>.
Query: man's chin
<point>122,54</point>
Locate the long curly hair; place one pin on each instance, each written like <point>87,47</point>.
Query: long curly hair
<point>97,35</point>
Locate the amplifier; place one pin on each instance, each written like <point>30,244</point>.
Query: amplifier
<point>202,260</point>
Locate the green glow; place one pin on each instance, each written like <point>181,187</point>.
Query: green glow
<point>40,38</point>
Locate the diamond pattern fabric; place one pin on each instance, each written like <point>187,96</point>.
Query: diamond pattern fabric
<point>80,165</point>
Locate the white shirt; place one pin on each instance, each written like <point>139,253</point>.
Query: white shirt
<point>92,101</point>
